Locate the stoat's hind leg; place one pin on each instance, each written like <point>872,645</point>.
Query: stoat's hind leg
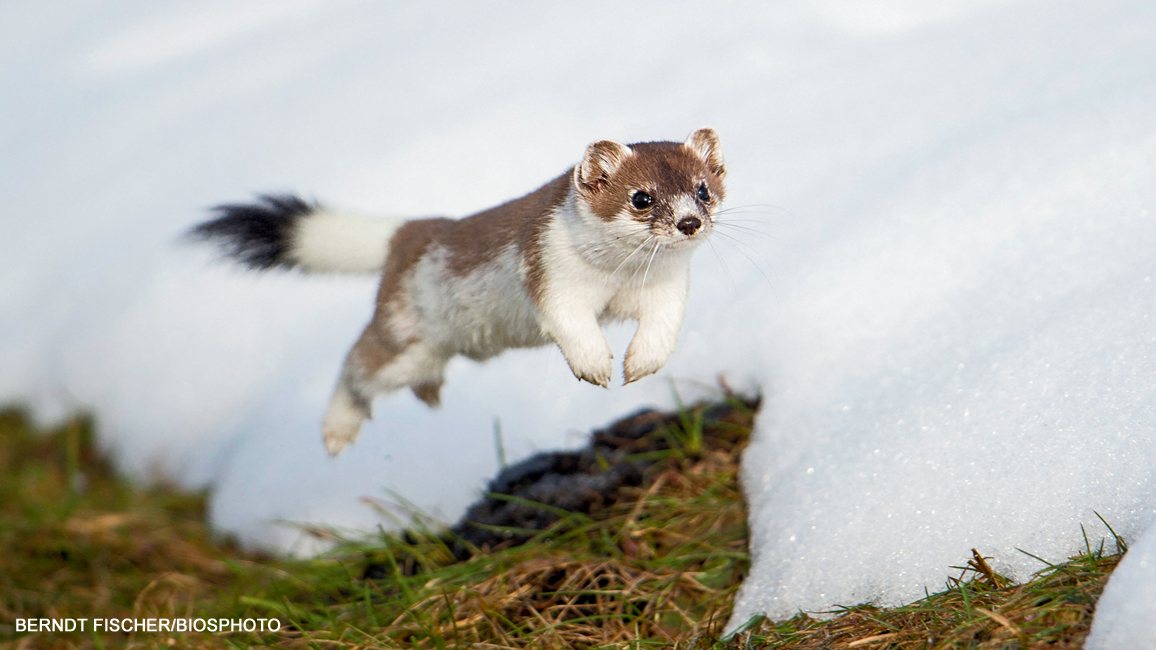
<point>375,366</point>
<point>421,367</point>
<point>348,409</point>
<point>352,400</point>
<point>429,392</point>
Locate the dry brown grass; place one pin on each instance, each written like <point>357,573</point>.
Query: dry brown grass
<point>658,567</point>
<point>77,541</point>
<point>1053,611</point>
<point>661,563</point>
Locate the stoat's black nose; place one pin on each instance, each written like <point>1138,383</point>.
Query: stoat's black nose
<point>689,225</point>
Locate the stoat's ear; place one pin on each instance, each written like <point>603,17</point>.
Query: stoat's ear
<point>704,142</point>
<point>602,159</point>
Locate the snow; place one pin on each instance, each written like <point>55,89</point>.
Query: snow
<point>942,281</point>
<point>986,375</point>
<point>1126,612</point>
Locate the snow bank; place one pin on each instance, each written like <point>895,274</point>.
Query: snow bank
<point>980,372</point>
<point>1126,613</point>
<point>972,361</point>
<point>948,307</point>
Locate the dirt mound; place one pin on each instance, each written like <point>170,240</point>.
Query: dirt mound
<point>531,495</point>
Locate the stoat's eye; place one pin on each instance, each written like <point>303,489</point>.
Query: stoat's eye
<point>641,200</point>
<point>703,193</point>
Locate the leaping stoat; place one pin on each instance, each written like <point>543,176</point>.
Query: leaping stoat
<point>608,240</point>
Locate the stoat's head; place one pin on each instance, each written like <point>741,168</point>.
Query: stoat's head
<point>668,190</point>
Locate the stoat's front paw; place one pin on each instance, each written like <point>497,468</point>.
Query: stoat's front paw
<point>642,361</point>
<point>592,364</point>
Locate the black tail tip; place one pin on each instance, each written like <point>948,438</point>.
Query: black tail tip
<point>258,234</point>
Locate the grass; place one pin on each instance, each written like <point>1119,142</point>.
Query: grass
<point>657,568</point>
<point>981,610</point>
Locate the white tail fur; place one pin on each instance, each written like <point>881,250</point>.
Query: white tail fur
<point>327,241</point>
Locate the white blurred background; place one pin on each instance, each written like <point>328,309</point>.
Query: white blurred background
<point>942,282</point>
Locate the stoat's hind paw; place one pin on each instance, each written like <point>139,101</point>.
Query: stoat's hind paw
<point>431,394</point>
<point>336,439</point>
<point>342,422</point>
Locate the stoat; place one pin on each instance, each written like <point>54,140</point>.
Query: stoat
<point>609,240</point>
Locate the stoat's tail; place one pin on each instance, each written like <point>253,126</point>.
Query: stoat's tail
<point>288,232</point>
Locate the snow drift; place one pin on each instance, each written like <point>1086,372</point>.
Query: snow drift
<point>939,269</point>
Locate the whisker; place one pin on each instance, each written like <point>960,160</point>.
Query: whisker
<point>617,238</point>
<point>736,242</point>
<point>745,229</point>
<point>640,266</point>
<point>754,216</point>
<point>626,233</point>
<point>728,219</point>
<point>749,217</point>
<point>723,264</point>
<point>651,261</point>
<point>627,259</point>
<point>605,247</point>
<point>740,217</point>
<point>748,247</point>
<point>767,207</point>
<point>759,237</point>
